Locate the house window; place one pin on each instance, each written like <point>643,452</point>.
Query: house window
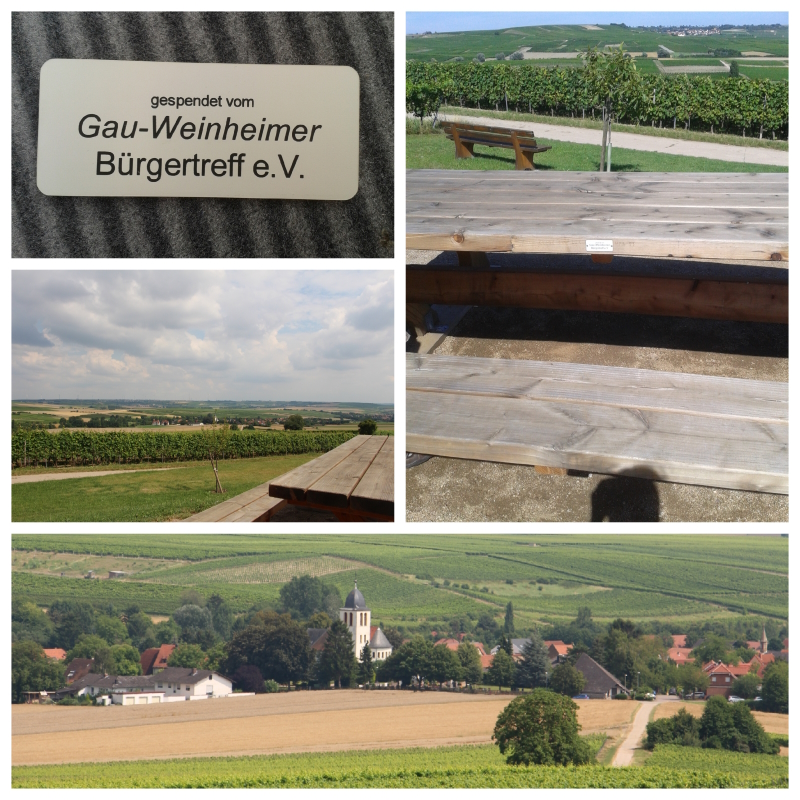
<point>713,679</point>
<point>727,679</point>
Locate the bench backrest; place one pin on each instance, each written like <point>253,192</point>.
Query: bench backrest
<point>488,133</point>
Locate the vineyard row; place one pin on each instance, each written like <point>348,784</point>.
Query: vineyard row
<point>729,104</point>
<point>87,447</point>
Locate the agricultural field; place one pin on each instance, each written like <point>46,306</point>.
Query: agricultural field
<point>772,723</point>
<point>681,578</point>
<point>573,38</point>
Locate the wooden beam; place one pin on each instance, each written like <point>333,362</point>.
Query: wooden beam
<point>679,297</point>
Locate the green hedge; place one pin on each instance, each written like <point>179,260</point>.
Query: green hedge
<point>92,447</point>
<point>728,104</point>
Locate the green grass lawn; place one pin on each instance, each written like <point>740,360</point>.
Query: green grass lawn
<point>596,124</point>
<point>145,496</point>
<point>437,152</point>
<point>765,73</point>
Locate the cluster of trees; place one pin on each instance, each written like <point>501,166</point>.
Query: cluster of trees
<point>758,106</point>
<point>723,725</point>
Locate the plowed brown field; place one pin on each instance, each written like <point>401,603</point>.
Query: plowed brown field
<point>773,723</point>
<point>283,723</point>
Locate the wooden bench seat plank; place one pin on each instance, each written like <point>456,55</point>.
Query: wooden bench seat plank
<point>336,485</point>
<point>375,491</point>
<point>586,434</point>
<point>628,294</point>
<point>707,395</point>
<point>294,485</point>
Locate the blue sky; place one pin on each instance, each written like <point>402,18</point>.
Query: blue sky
<point>419,22</point>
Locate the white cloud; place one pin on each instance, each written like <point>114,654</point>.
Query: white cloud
<point>193,335</point>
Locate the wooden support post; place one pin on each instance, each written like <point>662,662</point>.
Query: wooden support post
<point>472,260</point>
<point>524,161</point>
<point>417,315</point>
<point>463,149</point>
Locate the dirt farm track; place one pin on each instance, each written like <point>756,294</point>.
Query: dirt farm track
<point>277,723</point>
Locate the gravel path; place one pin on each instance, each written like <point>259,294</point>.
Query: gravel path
<point>624,754</point>
<point>62,476</point>
<point>637,141</point>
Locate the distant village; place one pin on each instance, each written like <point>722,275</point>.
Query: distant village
<point>709,666</point>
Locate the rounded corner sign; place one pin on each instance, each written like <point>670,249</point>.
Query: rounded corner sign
<point>154,129</point>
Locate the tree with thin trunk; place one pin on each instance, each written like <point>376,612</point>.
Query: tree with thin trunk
<point>215,444</point>
<point>365,666</point>
<point>508,625</point>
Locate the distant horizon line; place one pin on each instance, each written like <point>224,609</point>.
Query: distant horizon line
<point>129,400</point>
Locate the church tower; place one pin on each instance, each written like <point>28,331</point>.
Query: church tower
<point>764,642</point>
<point>358,618</point>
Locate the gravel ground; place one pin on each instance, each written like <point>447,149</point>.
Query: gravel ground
<point>444,490</point>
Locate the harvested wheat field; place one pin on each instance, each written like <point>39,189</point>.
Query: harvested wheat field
<point>278,723</point>
<point>773,723</point>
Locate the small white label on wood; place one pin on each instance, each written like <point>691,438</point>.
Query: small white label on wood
<point>150,129</point>
<point>599,245</point>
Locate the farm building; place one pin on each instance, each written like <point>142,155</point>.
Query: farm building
<point>116,573</point>
<point>171,684</point>
<point>600,683</point>
<point>78,668</point>
<point>358,619</point>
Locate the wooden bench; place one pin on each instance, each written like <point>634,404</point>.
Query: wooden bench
<point>711,431</point>
<point>354,481</point>
<point>254,505</point>
<point>465,136</point>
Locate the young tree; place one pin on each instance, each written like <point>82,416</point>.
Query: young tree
<point>567,680</point>
<point>338,660</point>
<point>422,100</point>
<point>365,666</point>
<point>746,686</point>
<point>617,86</point>
<point>187,655</point>
<point>541,728</point>
<point>508,624</point>
<point>503,670</point>
<point>535,665</point>
<point>215,444</point>
<point>470,659</point>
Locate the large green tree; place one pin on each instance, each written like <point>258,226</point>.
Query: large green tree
<point>30,623</point>
<point>306,596</point>
<point>338,660</point>
<point>541,728</point>
<point>534,667</point>
<point>32,671</point>
<point>276,644</point>
<point>71,619</point>
<point>187,655</point>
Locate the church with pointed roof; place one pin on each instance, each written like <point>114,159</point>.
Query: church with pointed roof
<point>358,619</point>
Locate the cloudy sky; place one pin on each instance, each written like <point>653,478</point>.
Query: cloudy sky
<point>181,335</point>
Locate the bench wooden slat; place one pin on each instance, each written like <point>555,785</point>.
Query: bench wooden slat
<point>375,491</point>
<point>294,485</point>
<point>465,136</point>
<point>336,485</point>
<point>592,428</point>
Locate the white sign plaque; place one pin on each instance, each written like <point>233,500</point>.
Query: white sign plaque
<point>150,129</point>
<point>599,245</point>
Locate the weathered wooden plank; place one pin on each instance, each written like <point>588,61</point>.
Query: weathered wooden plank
<point>375,491</point>
<point>669,296</point>
<point>603,420</point>
<point>336,485</point>
<point>293,485</point>
<point>707,395</point>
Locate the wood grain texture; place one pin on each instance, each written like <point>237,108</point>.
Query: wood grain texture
<point>375,491</point>
<point>294,485</point>
<point>254,505</point>
<point>711,431</point>
<point>335,487</point>
<point>680,297</point>
<point>689,215</point>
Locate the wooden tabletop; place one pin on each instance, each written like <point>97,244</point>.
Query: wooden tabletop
<point>357,477</point>
<point>735,216</point>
